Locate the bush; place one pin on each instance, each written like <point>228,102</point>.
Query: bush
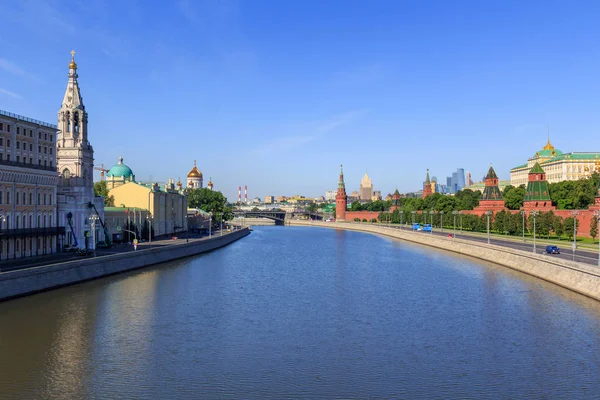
<point>356,219</point>
<point>364,220</point>
<point>373,219</point>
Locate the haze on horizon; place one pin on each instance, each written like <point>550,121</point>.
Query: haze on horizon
<point>276,95</point>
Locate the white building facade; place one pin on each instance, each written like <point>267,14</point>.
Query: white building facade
<point>75,163</point>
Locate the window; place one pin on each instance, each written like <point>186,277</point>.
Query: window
<point>24,194</point>
<point>30,198</point>
<point>7,142</point>
<point>30,221</point>
<point>7,197</point>
<point>31,133</point>
<point>39,162</point>
<point>1,141</point>
<point>39,135</point>
<point>39,224</point>
<point>45,150</point>
<point>8,157</point>
<point>30,146</point>
<point>1,196</point>
<point>50,162</point>
<point>18,158</point>
<point>18,145</point>
<point>38,199</point>
<point>31,160</point>
<point>16,197</point>
<point>24,221</point>
<point>18,130</point>
<point>45,163</point>
<point>50,199</point>
<point>45,136</point>
<point>39,149</point>
<point>17,222</point>
<point>1,155</point>
<point>50,150</point>
<point>49,220</point>
<point>45,197</point>
<point>1,126</point>
<point>50,137</point>
<point>7,128</point>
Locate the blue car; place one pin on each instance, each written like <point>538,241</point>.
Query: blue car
<point>552,250</point>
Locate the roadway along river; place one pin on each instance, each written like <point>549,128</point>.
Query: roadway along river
<point>304,313</point>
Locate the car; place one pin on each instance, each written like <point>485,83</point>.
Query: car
<point>552,250</point>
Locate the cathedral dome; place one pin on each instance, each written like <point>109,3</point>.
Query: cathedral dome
<point>120,170</point>
<point>195,172</point>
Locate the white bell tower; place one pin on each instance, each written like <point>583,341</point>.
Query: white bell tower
<point>75,165</point>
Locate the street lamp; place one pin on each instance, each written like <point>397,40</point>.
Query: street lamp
<point>442,221</point>
<point>210,226</point>
<point>454,213</point>
<point>523,214</point>
<point>93,218</point>
<point>488,213</point>
<point>597,215</point>
<point>431,214</point>
<point>400,212</point>
<point>460,213</point>
<point>534,213</point>
<point>574,214</point>
<point>149,218</point>
<point>413,212</point>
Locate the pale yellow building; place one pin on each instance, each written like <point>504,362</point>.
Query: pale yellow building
<point>167,204</point>
<point>558,166</point>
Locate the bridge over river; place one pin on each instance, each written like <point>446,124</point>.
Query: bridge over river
<point>280,216</point>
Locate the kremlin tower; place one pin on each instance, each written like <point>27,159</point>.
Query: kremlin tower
<point>341,200</point>
<point>538,195</point>
<point>427,186</point>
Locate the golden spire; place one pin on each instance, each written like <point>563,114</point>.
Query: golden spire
<point>548,145</point>
<point>72,65</point>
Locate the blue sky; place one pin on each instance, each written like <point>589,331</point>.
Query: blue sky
<point>276,94</point>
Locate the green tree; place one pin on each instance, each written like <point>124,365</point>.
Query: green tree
<point>100,189</point>
<point>559,227</point>
<point>594,227</point>
<point>212,202</point>
<point>356,219</point>
<point>312,207</point>
<point>514,197</point>
<point>467,199</point>
<point>356,206</point>
<point>568,226</point>
<point>507,189</point>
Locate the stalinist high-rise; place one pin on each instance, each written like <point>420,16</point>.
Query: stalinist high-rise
<point>75,165</point>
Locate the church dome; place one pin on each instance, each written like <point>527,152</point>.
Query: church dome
<point>195,172</point>
<point>120,170</point>
<point>548,151</point>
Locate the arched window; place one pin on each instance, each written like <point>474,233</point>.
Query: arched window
<point>39,222</point>
<point>44,221</point>
<point>24,221</point>
<point>76,122</point>
<point>66,176</point>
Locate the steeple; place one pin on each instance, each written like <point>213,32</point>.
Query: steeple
<point>72,94</point>
<point>427,180</point>
<point>427,186</point>
<point>341,184</point>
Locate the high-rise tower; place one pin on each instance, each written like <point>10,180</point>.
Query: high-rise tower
<point>427,186</point>
<point>75,166</point>
<point>341,199</point>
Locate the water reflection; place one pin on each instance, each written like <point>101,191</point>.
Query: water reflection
<point>304,313</point>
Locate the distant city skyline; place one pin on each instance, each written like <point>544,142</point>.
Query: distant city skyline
<point>275,96</point>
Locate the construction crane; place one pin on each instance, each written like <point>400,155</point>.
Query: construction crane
<point>102,171</point>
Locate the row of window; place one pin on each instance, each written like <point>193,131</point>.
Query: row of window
<point>46,163</point>
<point>20,221</point>
<point>22,197</point>
<point>47,243</point>
<point>47,149</point>
<point>24,131</point>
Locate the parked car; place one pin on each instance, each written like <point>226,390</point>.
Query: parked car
<point>552,250</point>
<point>101,245</point>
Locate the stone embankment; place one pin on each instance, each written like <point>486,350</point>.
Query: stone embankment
<point>581,278</point>
<point>27,281</point>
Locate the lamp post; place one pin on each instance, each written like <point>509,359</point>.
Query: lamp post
<point>400,212</point>
<point>596,214</point>
<point>2,219</point>
<point>574,214</point>
<point>454,213</point>
<point>149,218</point>
<point>210,226</point>
<point>442,221</point>
<point>70,222</point>
<point>460,213</point>
<point>413,212</point>
<point>534,213</point>
<point>431,217</point>
<point>93,218</point>
<point>488,213</point>
<point>523,214</point>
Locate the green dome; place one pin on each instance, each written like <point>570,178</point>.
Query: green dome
<point>120,170</point>
<point>548,151</point>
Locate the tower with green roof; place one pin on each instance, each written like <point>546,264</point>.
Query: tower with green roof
<point>341,199</point>
<point>427,185</point>
<point>491,199</point>
<point>537,196</point>
<point>396,201</point>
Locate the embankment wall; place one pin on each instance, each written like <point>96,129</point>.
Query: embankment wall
<point>31,280</point>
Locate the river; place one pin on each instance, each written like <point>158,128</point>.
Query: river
<point>304,313</point>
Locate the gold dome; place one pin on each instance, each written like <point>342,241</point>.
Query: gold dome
<point>548,146</point>
<point>72,65</point>
<point>195,172</point>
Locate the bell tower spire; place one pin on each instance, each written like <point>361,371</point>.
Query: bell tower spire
<point>341,199</point>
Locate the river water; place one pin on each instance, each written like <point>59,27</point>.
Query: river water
<point>304,313</point>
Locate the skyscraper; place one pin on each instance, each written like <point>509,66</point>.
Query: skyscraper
<point>366,188</point>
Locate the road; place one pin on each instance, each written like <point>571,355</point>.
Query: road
<point>582,256</point>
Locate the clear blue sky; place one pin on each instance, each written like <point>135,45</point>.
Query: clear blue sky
<point>276,94</point>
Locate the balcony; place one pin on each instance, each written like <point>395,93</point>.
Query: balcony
<point>32,232</point>
<point>25,165</point>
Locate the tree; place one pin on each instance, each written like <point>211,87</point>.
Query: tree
<point>100,189</point>
<point>514,197</point>
<point>559,227</point>
<point>312,207</point>
<point>212,202</point>
<point>568,227</point>
<point>467,199</point>
<point>594,227</point>
<point>356,206</point>
<point>356,219</point>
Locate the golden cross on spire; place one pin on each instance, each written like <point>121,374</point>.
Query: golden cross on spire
<point>73,54</point>
<point>194,163</point>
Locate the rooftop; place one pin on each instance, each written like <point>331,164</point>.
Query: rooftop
<point>25,119</point>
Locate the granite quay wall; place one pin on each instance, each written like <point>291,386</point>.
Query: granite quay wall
<point>580,278</point>
<point>27,281</point>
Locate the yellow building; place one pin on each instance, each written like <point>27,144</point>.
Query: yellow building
<point>167,204</point>
<point>558,166</point>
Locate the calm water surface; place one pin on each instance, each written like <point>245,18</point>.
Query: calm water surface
<point>304,313</point>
